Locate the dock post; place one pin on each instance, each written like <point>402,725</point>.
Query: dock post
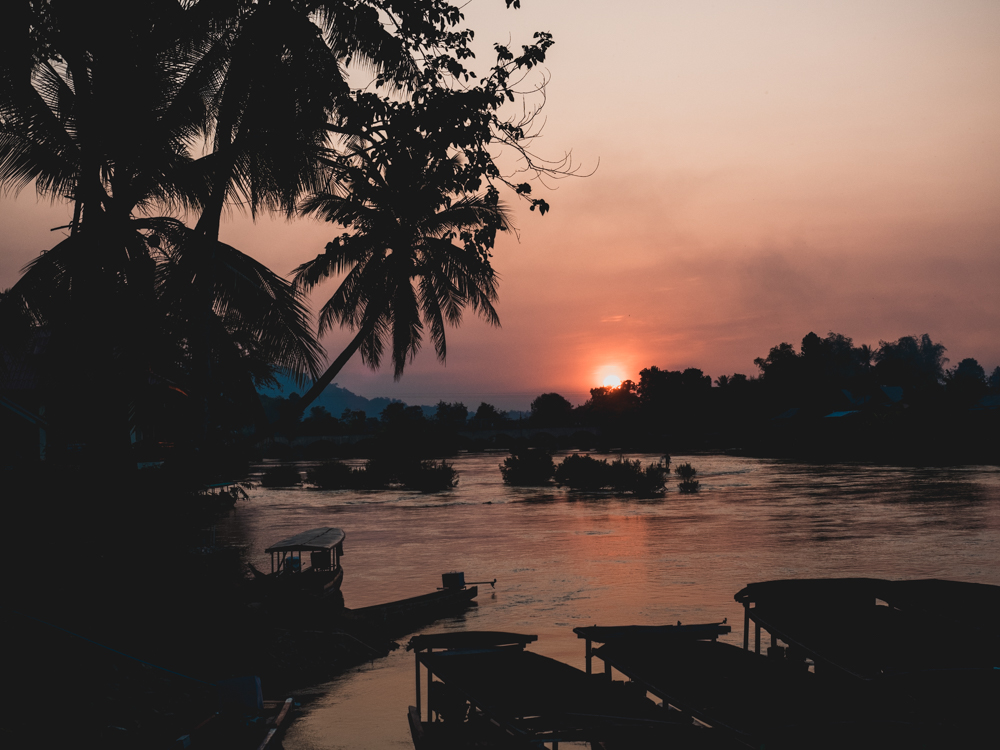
<point>746,626</point>
<point>756,637</point>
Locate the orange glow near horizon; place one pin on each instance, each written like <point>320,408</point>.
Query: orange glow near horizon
<point>612,380</point>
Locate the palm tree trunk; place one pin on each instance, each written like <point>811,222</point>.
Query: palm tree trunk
<point>206,232</point>
<point>335,367</point>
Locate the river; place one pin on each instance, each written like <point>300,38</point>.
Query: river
<point>562,560</point>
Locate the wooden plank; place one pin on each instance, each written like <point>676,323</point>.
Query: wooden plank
<point>283,713</point>
<point>416,728</point>
<point>270,736</point>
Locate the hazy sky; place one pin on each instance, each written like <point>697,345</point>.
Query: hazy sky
<point>766,169</point>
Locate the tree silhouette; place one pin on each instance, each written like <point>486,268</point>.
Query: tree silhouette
<point>551,410</point>
<point>966,382</point>
<point>109,116</point>
<point>451,416</point>
<point>916,365</point>
<point>993,382</point>
<point>404,270</point>
<point>487,415</point>
<point>407,184</point>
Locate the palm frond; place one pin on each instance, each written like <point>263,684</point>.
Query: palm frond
<point>252,298</point>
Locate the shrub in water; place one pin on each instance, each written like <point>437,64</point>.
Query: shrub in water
<point>282,475</point>
<point>583,473</point>
<point>428,476</point>
<point>377,474</point>
<point>687,472</point>
<point>631,477</point>
<point>334,475</point>
<point>621,475</point>
<point>643,482</point>
<point>529,468</point>
<point>383,473</point>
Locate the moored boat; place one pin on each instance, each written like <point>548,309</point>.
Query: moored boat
<point>321,577</point>
<point>925,653</point>
<point>433,605</point>
<point>392,619</point>
<point>484,690</point>
<point>858,663</point>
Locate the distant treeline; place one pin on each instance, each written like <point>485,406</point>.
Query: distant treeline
<point>828,400</point>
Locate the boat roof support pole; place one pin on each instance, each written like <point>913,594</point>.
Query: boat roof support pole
<point>756,637</point>
<point>430,679</point>
<point>589,655</point>
<point>746,626</point>
<point>416,660</point>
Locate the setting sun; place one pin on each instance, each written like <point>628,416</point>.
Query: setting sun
<point>613,381</point>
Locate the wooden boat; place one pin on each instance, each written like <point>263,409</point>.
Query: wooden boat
<point>926,652</point>
<point>859,663</point>
<point>392,619</point>
<point>660,633</point>
<point>323,575</point>
<point>249,728</point>
<point>485,690</point>
<point>435,604</point>
<point>746,699</point>
<point>275,724</point>
<point>869,627</point>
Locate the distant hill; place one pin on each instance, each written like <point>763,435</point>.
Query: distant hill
<point>335,399</point>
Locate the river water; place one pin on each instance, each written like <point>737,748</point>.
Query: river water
<point>562,560</point>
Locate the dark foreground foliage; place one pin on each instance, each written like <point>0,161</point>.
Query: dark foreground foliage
<point>145,583</point>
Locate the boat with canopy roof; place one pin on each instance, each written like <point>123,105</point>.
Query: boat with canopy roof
<point>322,576</point>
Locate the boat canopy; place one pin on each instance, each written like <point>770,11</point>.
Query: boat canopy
<point>316,540</point>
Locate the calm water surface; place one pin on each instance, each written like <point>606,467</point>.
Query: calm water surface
<point>562,560</point>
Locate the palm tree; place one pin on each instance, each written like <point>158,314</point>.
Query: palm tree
<point>109,121</point>
<point>405,272</point>
<point>109,116</point>
<point>276,80</point>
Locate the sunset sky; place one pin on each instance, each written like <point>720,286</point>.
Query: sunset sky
<point>763,169</point>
